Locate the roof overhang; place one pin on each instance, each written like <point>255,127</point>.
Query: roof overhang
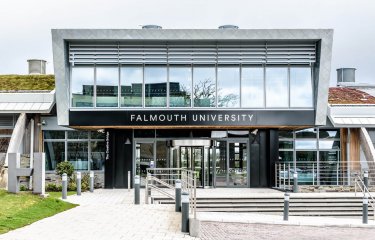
<point>352,116</point>
<point>30,102</point>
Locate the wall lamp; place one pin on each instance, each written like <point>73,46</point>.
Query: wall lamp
<point>43,123</point>
<point>127,142</point>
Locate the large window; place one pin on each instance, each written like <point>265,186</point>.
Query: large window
<point>314,153</point>
<point>277,87</point>
<point>107,86</point>
<point>204,88</point>
<point>198,86</point>
<point>180,86</point>
<point>228,87</point>
<point>155,86</point>
<point>301,92</point>
<point>252,87</point>
<point>82,87</point>
<point>84,149</point>
<point>131,86</point>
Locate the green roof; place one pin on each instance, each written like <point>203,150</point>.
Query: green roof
<point>27,82</point>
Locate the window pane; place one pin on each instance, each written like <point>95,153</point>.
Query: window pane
<point>155,86</point>
<point>303,144</point>
<point>78,135</point>
<point>228,87</point>
<point>277,87</point>
<point>329,144</point>
<point>306,133</point>
<point>54,134</point>
<point>180,86</point>
<point>82,87</point>
<point>285,134</point>
<point>97,155</point>
<point>131,86</point>
<point>286,156</point>
<point>97,135</point>
<point>285,144</point>
<point>106,87</point>
<point>55,153</point>
<point>329,134</point>
<point>204,89</point>
<point>77,155</point>
<point>306,167</point>
<point>252,87</point>
<point>329,168</point>
<point>301,91</point>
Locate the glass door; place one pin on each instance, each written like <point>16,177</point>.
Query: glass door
<point>221,164</point>
<point>144,158</point>
<point>237,163</point>
<point>192,159</point>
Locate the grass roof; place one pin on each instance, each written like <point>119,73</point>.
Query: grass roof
<point>27,82</point>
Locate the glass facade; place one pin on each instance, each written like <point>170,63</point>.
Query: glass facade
<point>198,86</point>
<point>131,86</point>
<point>107,86</point>
<point>314,153</point>
<point>84,149</point>
<point>82,87</point>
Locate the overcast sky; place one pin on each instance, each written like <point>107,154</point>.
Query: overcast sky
<point>25,25</point>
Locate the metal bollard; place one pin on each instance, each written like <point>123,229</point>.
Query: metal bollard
<point>128,181</point>
<point>91,181</point>
<point>365,179</point>
<point>137,183</point>
<point>64,186</point>
<point>178,195</point>
<point>286,206</point>
<point>185,212</point>
<point>365,210</point>
<point>78,183</point>
<point>295,182</point>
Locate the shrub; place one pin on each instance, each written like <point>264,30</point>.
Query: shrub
<point>52,187</point>
<point>23,188</point>
<point>85,182</point>
<point>72,186</point>
<point>65,167</point>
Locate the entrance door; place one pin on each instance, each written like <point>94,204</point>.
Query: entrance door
<point>231,163</point>
<point>144,158</point>
<point>192,159</point>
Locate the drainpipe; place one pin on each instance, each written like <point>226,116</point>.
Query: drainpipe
<point>31,150</point>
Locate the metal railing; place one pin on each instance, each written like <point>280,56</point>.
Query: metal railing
<point>321,173</point>
<point>162,181</point>
<point>365,191</point>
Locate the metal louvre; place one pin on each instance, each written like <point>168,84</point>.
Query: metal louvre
<point>267,53</point>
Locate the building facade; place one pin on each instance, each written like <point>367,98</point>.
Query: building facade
<point>214,101</point>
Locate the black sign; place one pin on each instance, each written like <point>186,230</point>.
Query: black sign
<point>191,118</point>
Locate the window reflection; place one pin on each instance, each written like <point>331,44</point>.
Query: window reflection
<point>204,88</point>
<point>82,87</point>
<point>301,93</point>
<point>180,86</point>
<point>277,87</point>
<point>131,86</point>
<point>106,87</point>
<point>228,87</point>
<point>155,86</point>
<point>252,87</point>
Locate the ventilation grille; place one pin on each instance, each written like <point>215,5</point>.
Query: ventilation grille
<point>7,121</point>
<point>192,54</point>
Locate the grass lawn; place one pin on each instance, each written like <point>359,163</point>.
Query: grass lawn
<point>27,82</point>
<point>18,210</point>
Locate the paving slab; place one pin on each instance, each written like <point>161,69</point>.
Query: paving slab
<point>103,215</point>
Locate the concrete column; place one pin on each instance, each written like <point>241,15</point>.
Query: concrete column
<point>39,173</point>
<point>13,179</point>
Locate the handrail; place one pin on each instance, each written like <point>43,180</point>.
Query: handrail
<point>365,191</point>
<point>188,183</point>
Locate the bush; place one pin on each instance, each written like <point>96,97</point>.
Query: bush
<point>85,182</point>
<point>72,186</point>
<point>65,167</point>
<point>23,188</point>
<point>52,187</point>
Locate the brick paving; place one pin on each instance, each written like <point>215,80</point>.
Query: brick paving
<point>242,231</point>
<point>107,215</point>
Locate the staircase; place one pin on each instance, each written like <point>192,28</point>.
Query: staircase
<point>333,206</point>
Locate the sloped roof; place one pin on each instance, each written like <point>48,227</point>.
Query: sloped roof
<point>39,102</point>
<point>344,95</point>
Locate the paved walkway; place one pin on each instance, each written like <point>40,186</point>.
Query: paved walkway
<point>107,215</point>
